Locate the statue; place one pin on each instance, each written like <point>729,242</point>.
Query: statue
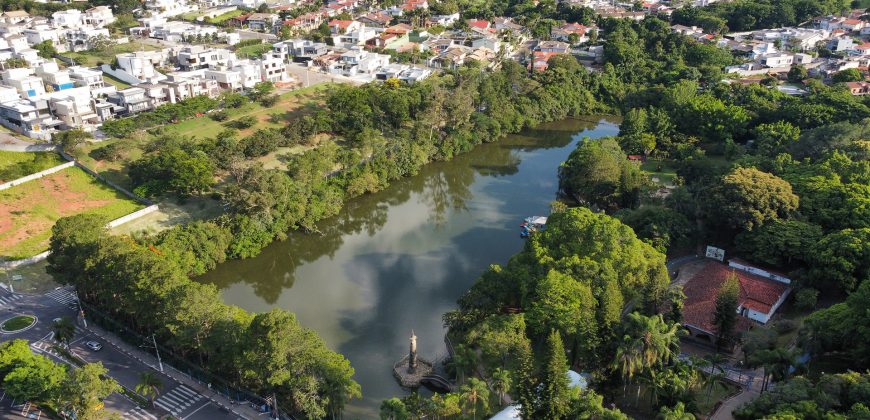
<point>412,356</point>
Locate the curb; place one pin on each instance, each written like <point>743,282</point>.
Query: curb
<point>32,324</point>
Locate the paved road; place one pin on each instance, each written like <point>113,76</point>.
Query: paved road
<point>10,143</point>
<point>182,400</point>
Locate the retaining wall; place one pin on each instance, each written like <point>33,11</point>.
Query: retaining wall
<point>132,216</point>
<point>37,175</point>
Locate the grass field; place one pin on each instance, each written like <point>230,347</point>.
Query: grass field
<point>289,106</point>
<point>14,165</point>
<point>225,17</point>
<point>92,58</point>
<point>660,171</point>
<point>253,51</point>
<point>28,211</point>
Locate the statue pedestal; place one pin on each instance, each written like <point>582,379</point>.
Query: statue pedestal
<point>411,379</point>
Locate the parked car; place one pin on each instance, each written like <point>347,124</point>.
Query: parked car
<point>94,345</point>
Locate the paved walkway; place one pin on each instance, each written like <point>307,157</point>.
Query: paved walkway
<point>728,406</point>
<point>242,411</point>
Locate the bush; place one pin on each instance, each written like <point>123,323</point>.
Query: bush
<point>219,115</point>
<point>242,123</point>
<point>806,298</point>
<point>785,326</point>
<point>269,100</point>
<point>111,152</point>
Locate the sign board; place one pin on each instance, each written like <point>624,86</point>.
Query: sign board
<point>715,253</point>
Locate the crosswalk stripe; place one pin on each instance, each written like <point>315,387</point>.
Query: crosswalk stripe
<point>188,392</point>
<point>140,413</point>
<point>163,406</point>
<point>175,401</point>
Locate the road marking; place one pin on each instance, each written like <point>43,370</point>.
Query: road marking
<point>194,411</point>
<point>139,413</point>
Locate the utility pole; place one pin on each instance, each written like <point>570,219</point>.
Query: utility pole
<point>275,405</point>
<point>81,309</point>
<point>159,362</point>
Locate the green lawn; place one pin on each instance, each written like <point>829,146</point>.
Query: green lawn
<point>115,82</point>
<point>17,323</point>
<point>660,171</point>
<point>14,165</point>
<point>225,17</point>
<point>253,51</point>
<point>92,58</point>
<point>288,106</point>
<point>28,211</point>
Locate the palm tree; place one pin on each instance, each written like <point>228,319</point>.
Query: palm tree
<point>677,413</point>
<point>501,383</point>
<point>64,330</point>
<point>475,394</point>
<point>149,386</point>
<point>393,409</point>
<point>628,360</point>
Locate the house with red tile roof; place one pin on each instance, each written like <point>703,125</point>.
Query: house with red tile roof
<point>479,24</point>
<point>759,297</point>
<point>337,26</point>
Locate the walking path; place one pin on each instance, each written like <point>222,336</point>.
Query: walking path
<point>728,406</point>
<point>241,410</point>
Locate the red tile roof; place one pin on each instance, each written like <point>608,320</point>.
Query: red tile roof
<point>481,24</point>
<point>756,293</point>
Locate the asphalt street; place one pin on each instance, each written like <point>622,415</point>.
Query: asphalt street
<point>180,400</point>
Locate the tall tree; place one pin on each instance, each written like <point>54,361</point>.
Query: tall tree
<point>554,396</point>
<point>725,312</point>
<point>748,198</point>
<point>85,389</point>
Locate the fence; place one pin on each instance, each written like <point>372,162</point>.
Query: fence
<point>175,362</point>
<point>37,175</point>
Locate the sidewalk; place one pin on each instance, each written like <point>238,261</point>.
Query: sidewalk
<point>242,411</point>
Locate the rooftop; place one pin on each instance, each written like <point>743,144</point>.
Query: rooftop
<point>756,293</point>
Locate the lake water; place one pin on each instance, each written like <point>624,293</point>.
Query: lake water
<point>395,261</point>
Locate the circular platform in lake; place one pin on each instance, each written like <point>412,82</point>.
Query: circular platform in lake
<point>409,379</point>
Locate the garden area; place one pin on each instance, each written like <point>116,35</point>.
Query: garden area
<point>14,165</point>
<point>28,211</point>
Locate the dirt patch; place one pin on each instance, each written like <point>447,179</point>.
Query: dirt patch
<point>33,210</point>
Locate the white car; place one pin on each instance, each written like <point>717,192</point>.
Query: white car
<point>93,345</point>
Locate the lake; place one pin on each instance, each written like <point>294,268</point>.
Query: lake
<point>396,260</point>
